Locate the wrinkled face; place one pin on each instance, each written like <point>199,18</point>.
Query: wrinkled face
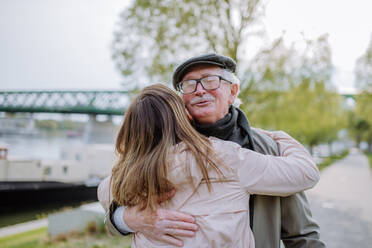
<point>207,107</point>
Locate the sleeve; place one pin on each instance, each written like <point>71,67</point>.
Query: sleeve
<point>119,220</point>
<point>293,172</point>
<point>298,228</point>
<point>104,194</point>
<point>106,199</point>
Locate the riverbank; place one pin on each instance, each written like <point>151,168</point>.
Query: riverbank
<point>23,214</point>
<point>23,227</point>
<point>92,238</point>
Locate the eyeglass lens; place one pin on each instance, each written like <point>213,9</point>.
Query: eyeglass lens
<point>208,83</point>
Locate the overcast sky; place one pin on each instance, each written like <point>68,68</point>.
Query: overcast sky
<point>65,44</point>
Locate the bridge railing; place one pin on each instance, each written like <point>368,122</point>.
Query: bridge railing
<point>82,102</point>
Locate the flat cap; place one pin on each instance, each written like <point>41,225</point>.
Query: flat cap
<point>211,58</point>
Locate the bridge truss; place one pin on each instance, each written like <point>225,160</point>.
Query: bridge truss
<point>80,102</point>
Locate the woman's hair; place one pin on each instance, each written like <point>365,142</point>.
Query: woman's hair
<point>155,121</point>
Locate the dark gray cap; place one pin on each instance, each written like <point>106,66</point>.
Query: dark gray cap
<point>211,58</point>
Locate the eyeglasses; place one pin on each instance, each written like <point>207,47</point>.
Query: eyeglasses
<point>208,83</point>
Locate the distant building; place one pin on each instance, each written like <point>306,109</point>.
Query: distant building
<point>100,158</point>
<point>77,164</point>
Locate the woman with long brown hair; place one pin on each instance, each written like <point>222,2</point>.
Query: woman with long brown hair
<point>159,151</point>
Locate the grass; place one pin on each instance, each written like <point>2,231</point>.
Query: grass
<point>11,216</point>
<point>39,238</point>
<point>29,239</point>
<point>369,155</point>
<point>331,159</point>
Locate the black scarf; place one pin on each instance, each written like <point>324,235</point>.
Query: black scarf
<point>233,127</point>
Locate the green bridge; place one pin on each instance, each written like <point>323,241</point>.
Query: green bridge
<point>69,102</point>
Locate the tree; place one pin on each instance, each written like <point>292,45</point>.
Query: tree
<point>358,128</point>
<point>363,70</point>
<point>363,76</point>
<point>363,111</point>
<point>293,91</point>
<point>311,113</point>
<point>155,35</point>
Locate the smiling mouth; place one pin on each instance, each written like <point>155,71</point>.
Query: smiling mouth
<point>202,103</point>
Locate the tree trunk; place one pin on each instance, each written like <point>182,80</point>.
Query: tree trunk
<point>330,148</point>
<point>312,150</point>
<point>358,139</point>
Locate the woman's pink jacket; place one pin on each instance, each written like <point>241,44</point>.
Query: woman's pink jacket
<point>223,213</point>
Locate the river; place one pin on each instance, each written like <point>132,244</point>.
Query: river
<point>48,145</point>
<point>44,146</point>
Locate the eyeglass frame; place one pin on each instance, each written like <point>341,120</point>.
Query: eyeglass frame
<point>200,81</point>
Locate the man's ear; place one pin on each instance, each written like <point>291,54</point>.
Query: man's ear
<point>234,89</point>
<point>189,115</point>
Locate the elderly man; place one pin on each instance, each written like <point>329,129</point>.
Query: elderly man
<point>209,87</point>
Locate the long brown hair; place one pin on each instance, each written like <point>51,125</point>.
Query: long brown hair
<point>155,121</point>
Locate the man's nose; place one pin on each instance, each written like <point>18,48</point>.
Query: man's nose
<point>199,89</point>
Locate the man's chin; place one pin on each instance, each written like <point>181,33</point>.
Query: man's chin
<point>204,118</point>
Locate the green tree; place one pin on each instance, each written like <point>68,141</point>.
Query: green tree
<point>363,109</point>
<point>46,124</point>
<point>155,35</point>
<point>311,113</point>
<point>269,76</point>
<point>293,91</point>
<point>363,70</point>
<point>358,128</point>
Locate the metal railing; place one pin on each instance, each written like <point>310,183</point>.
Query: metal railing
<point>82,102</point>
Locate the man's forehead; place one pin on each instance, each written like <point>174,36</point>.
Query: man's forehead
<point>201,70</point>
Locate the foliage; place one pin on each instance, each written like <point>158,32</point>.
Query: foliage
<point>311,113</point>
<point>58,125</point>
<point>293,92</point>
<point>281,87</point>
<point>358,128</point>
<point>369,155</point>
<point>363,75</point>
<point>39,239</point>
<point>364,112</point>
<point>46,124</point>
<point>154,36</point>
<point>363,70</point>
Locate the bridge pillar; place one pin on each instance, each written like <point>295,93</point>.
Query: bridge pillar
<point>100,131</point>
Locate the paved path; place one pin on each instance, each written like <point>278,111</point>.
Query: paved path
<point>23,227</point>
<point>342,203</point>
